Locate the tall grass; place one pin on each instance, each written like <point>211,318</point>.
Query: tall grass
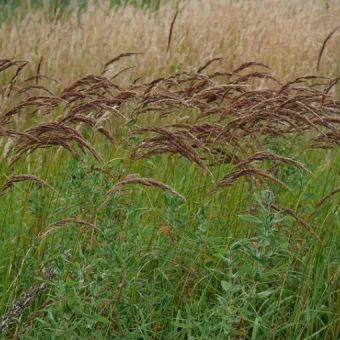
<point>199,201</point>
<point>286,35</point>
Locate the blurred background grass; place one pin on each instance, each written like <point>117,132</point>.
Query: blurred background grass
<point>7,7</point>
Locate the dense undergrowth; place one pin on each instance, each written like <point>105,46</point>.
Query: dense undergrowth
<point>196,205</point>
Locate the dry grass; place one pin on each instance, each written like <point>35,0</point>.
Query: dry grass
<point>285,34</point>
<point>222,117</point>
<point>136,179</point>
<point>20,178</point>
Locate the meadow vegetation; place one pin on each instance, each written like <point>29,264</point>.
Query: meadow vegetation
<point>170,170</point>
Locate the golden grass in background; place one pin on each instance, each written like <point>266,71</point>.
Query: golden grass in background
<point>284,34</point>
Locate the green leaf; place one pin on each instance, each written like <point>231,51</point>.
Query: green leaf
<point>265,294</point>
<point>227,286</point>
<point>255,328</point>
<point>102,319</point>
<point>250,218</point>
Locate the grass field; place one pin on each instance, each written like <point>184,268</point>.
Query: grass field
<point>170,170</point>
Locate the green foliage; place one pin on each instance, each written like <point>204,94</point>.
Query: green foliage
<point>9,7</point>
<point>223,271</point>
